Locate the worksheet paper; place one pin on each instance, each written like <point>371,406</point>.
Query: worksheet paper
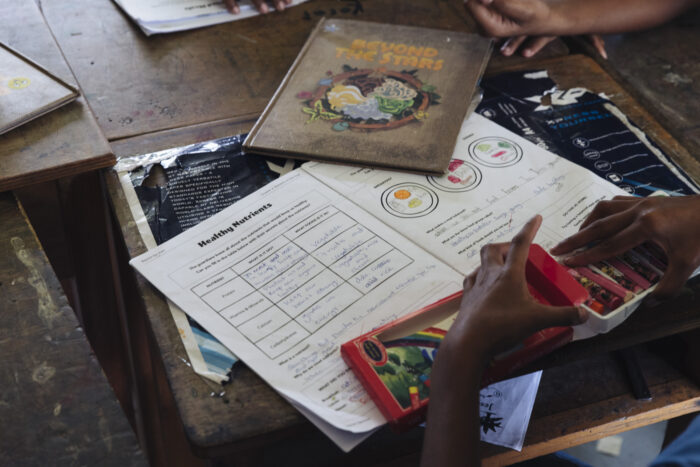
<point>322,255</point>
<point>495,183</point>
<point>163,16</point>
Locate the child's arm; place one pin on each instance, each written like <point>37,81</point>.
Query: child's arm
<point>508,18</point>
<point>543,20</point>
<point>496,313</point>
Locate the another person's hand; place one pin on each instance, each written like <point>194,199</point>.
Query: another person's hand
<point>261,5</point>
<point>672,223</point>
<point>527,25</point>
<point>497,311</point>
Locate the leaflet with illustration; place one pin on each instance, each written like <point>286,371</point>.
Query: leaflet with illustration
<point>326,253</point>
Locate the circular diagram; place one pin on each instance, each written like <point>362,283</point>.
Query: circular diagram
<point>494,151</point>
<point>409,200</point>
<point>461,176</point>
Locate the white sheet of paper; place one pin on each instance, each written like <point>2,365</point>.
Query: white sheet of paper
<point>162,16</point>
<point>505,408</point>
<point>286,275</point>
<point>497,182</point>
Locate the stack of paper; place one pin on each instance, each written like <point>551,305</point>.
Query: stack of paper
<point>162,16</point>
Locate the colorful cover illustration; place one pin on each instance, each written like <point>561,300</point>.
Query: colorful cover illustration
<point>406,369</point>
<point>374,94</point>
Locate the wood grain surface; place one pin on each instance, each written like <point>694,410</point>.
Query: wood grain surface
<point>137,84</point>
<point>64,142</point>
<point>56,406</point>
<point>250,413</point>
<point>661,68</point>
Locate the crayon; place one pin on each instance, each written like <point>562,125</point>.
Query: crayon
<point>607,270</point>
<point>606,283</point>
<point>641,267</point>
<point>630,273</point>
<point>597,292</point>
<point>650,258</point>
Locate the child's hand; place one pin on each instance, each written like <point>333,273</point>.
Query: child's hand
<point>232,5</point>
<point>528,25</point>
<point>497,310</point>
<point>625,222</point>
<point>512,18</point>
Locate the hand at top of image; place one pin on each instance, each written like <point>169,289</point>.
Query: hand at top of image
<point>260,5</point>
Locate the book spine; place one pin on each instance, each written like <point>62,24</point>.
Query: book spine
<point>250,139</point>
<point>369,379</point>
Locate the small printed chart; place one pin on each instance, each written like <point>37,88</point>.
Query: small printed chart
<point>461,176</point>
<point>409,200</point>
<point>494,151</point>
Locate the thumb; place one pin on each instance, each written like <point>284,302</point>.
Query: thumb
<point>551,316</point>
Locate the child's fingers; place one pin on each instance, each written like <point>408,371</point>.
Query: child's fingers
<point>520,245</point>
<point>602,228</point>
<point>606,208</point>
<point>676,274</point>
<point>622,241</point>
<point>536,44</point>
<point>599,45</point>
<point>511,45</point>
<point>494,254</point>
<point>261,6</point>
<point>491,23</point>
<point>232,6</point>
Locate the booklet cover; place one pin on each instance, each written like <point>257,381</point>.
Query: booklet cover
<point>374,94</point>
<point>27,90</point>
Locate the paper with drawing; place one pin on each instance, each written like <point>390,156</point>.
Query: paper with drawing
<point>286,275</point>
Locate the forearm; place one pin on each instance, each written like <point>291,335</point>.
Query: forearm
<point>452,433</point>
<point>569,17</point>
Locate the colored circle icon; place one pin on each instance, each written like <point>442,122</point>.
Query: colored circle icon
<point>461,176</point>
<point>494,151</point>
<point>18,83</point>
<point>402,194</point>
<point>409,200</point>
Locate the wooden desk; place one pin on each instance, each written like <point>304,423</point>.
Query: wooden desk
<point>661,68</point>
<point>56,405</point>
<point>251,414</point>
<point>204,82</point>
<point>65,142</point>
<point>153,93</point>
